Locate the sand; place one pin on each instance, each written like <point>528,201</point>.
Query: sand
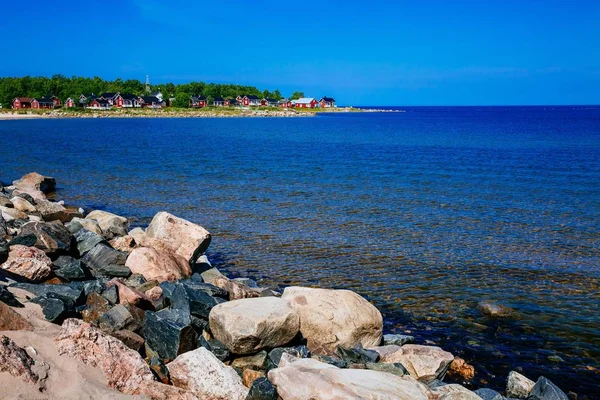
<point>67,378</point>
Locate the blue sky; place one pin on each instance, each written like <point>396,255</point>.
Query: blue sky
<point>376,52</point>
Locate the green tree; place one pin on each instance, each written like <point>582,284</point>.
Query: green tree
<point>182,100</point>
<point>296,95</point>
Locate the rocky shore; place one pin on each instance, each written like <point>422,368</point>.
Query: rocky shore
<point>158,113</point>
<point>92,309</point>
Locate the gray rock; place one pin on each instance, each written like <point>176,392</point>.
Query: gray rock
<point>251,283</point>
<point>335,361</point>
<point>54,309</point>
<point>274,356</point>
<point>357,355</point>
<point>87,240</point>
<point>103,260</point>
<point>111,294</point>
<point>262,389</point>
<point>118,318</point>
<point>544,389</point>
<point>64,291</point>
<point>70,269</point>
<point>397,339</point>
<point>135,281</point>
<point>8,298</point>
<point>167,336</point>
<point>216,347</point>
<point>493,310</point>
<point>207,288</point>
<point>3,227</point>
<point>392,368</point>
<point>94,286</point>
<point>489,394</point>
<point>28,240</point>
<point>518,386</point>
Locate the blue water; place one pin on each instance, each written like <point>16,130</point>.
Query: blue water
<point>425,212</point>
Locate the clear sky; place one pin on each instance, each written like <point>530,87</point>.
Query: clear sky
<point>373,52</point>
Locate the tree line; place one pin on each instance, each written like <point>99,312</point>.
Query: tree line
<point>64,87</point>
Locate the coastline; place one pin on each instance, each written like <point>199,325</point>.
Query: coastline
<point>143,288</point>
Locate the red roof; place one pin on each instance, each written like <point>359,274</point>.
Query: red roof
<point>24,99</point>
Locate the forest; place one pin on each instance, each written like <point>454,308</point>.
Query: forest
<point>64,87</point>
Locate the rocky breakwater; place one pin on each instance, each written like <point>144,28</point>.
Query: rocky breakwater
<point>148,310</point>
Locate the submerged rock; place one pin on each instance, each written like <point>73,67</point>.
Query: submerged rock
<point>331,318</point>
<point>250,325</point>
<point>494,310</point>
<point>459,369</point>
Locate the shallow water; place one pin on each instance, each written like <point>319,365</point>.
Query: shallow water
<point>425,212</point>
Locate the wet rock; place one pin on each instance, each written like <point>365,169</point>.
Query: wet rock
<point>178,235</point>
<point>22,204</point>
<point>16,361</point>
<point>255,361</point>
<point>331,318</point>
<point>391,368</point>
<point>111,294</point>
<point>118,318</point>
<point>216,347</point>
<point>129,339</point>
<point>200,372</point>
<point>488,394</point>
<point>12,321</point>
<point>397,340</point>
<point>424,363</point>
<point>77,224</point>
<point>357,355</point>
<point>123,243</point>
<point>124,368</point>
<point>103,260</point>
<point>112,225</point>
<point>518,386</point>
<point>51,211</point>
<point>131,296</point>
<point>87,240</point>
<point>262,389</point>
<point>250,325</point>
<point>28,262</point>
<point>158,265</point>
<point>71,293</point>
<point>8,298</point>
<point>493,310</point>
<point>70,269</point>
<point>454,392</point>
<point>169,334</point>
<point>459,369</point>
<point>36,183</point>
<point>96,306</point>
<point>310,379</point>
<point>544,389</point>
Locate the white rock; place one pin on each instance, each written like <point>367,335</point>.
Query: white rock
<point>89,224</point>
<point>424,363</point>
<point>138,235</point>
<point>518,386</point>
<point>247,326</point>
<point>111,224</point>
<point>200,372</point>
<point>329,318</point>
<point>310,379</point>
<point>22,205</point>
<point>180,236</point>
<point>157,264</point>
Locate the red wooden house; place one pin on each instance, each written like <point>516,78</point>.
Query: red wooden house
<point>56,101</point>
<point>127,100</point>
<point>42,102</point>
<point>70,103</point>
<point>285,103</point>
<point>198,102</point>
<point>327,102</point>
<point>306,102</point>
<point>99,104</point>
<point>21,102</point>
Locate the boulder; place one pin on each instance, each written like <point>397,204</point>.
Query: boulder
<point>169,333</point>
<point>178,235</point>
<point>51,211</point>
<point>518,386</point>
<point>76,224</point>
<point>123,243</point>
<point>33,180</point>
<point>235,289</point>
<point>249,325</point>
<point>73,294</point>
<point>131,296</point>
<point>254,361</point>
<point>488,394</point>
<point>262,389</point>
<point>454,392</point>
<point>493,310</point>
<point>87,240</point>
<point>158,265</point>
<point>103,260</point>
<point>460,370</point>
<point>28,262</point>
<point>23,205</point>
<point>200,372</point>
<point>124,368</point>
<point>544,389</point>
<point>52,237</point>
<point>12,321</point>
<point>310,379</point>
<point>112,225</point>
<point>331,318</point>
<point>70,269</point>
<point>16,361</point>
<point>424,363</point>
<point>160,391</point>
